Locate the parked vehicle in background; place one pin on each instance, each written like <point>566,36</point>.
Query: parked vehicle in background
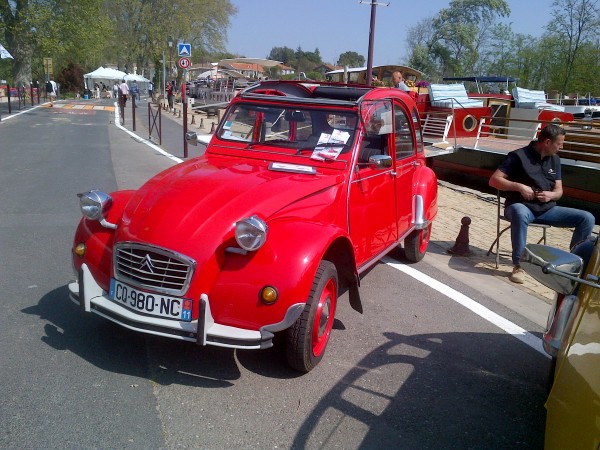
<point>572,339</point>
<point>302,188</point>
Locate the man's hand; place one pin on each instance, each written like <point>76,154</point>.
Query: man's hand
<point>544,196</point>
<point>526,192</point>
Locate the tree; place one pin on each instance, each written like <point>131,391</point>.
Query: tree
<point>284,54</point>
<point>575,23</point>
<point>351,59</point>
<point>58,29</point>
<point>454,37</point>
<point>142,28</point>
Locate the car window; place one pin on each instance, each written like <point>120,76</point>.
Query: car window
<point>298,129</point>
<point>403,137</point>
<point>378,126</point>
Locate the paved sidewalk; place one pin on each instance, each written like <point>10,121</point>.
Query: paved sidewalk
<point>456,202</point>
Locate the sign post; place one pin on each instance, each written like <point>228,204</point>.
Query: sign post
<point>48,68</point>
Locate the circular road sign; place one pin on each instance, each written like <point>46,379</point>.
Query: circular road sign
<point>184,63</point>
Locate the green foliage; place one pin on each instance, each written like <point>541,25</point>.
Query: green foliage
<point>284,54</point>
<point>130,33</point>
<point>351,59</point>
<point>300,60</point>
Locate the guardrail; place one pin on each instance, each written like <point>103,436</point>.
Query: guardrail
<point>582,141</point>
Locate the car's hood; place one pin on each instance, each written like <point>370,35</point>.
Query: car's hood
<point>200,201</point>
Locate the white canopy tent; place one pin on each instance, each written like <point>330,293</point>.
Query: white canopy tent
<point>103,74</point>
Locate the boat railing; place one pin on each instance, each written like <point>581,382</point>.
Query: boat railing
<point>494,132</point>
<point>582,140</point>
<point>435,128</point>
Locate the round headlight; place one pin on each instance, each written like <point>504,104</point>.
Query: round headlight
<point>94,204</point>
<point>251,233</point>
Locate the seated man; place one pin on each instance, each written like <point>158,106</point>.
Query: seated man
<point>531,177</point>
<point>398,81</point>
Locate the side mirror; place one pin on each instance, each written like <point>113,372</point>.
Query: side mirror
<point>191,137</point>
<point>380,161</point>
<point>557,269</point>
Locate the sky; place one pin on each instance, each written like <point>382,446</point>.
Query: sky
<point>338,26</point>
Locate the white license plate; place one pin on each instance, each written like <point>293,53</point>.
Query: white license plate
<point>151,304</point>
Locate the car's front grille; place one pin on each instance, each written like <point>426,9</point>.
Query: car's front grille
<point>155,268</point>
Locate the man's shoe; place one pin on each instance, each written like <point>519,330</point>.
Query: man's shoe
<point>517,275</point>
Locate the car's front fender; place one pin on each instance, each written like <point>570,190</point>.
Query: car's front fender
<point>288,262</point>
<point>98,240</point>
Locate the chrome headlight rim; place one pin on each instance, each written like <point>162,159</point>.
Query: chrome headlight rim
<point>94,204</point>
<point>251,233</point>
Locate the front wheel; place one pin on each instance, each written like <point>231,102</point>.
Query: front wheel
<point>415,244</point>
<point>308,337</point>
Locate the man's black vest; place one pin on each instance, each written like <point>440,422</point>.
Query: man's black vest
<point>529,168</point>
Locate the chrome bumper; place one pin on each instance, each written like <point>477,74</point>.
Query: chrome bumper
<point>92,298</point>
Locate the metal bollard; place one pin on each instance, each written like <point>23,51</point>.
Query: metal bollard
<point>193,122</point>
<point>212,128</point>
<point>461,246</point>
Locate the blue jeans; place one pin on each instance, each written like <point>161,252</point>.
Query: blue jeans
<point>520,216</point>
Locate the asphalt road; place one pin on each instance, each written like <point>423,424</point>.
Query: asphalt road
<point>422,368</point>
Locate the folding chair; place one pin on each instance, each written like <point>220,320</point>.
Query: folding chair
<point>499,218</point>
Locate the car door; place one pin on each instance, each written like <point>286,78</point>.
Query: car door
<point>573,419</point>
<point>372,202</point>
<point>406,163</point>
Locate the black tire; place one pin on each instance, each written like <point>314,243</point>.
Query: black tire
<point>415,244</point>
<point>307,339</point>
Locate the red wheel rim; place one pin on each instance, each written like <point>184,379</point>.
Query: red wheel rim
<point>324,316</point>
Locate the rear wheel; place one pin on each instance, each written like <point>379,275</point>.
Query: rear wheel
<point>308,337</point>
<point>415,244</point>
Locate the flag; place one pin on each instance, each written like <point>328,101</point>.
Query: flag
<point>4,53</point>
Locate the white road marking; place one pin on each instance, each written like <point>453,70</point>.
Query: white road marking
<point>511,328</point>
<point>145,141</point>
<point>5,118</point>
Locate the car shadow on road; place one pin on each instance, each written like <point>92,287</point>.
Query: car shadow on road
<point>165,361</point>
<point>456,395</point>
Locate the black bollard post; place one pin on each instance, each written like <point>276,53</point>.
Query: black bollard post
<point>461,246</point>
<point>8,98</point>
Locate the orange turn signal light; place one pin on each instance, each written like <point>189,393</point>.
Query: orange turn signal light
<point>80,250</point>
<point>269,295</point>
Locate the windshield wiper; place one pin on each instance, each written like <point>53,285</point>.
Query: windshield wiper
<point>271,142</point>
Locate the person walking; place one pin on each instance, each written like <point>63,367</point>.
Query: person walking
<point>124,88</point>
<point>52,91</point>
<point>115,90</point>
<point>170,94</point>
<point>531,177</point>
<point>151,90</point>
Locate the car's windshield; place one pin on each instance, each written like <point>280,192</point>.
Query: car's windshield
<point>319,133</point>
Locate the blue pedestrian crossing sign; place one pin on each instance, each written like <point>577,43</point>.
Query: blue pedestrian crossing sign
<point>185,50</point>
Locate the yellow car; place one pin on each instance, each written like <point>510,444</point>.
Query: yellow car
<point>572,339</point>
